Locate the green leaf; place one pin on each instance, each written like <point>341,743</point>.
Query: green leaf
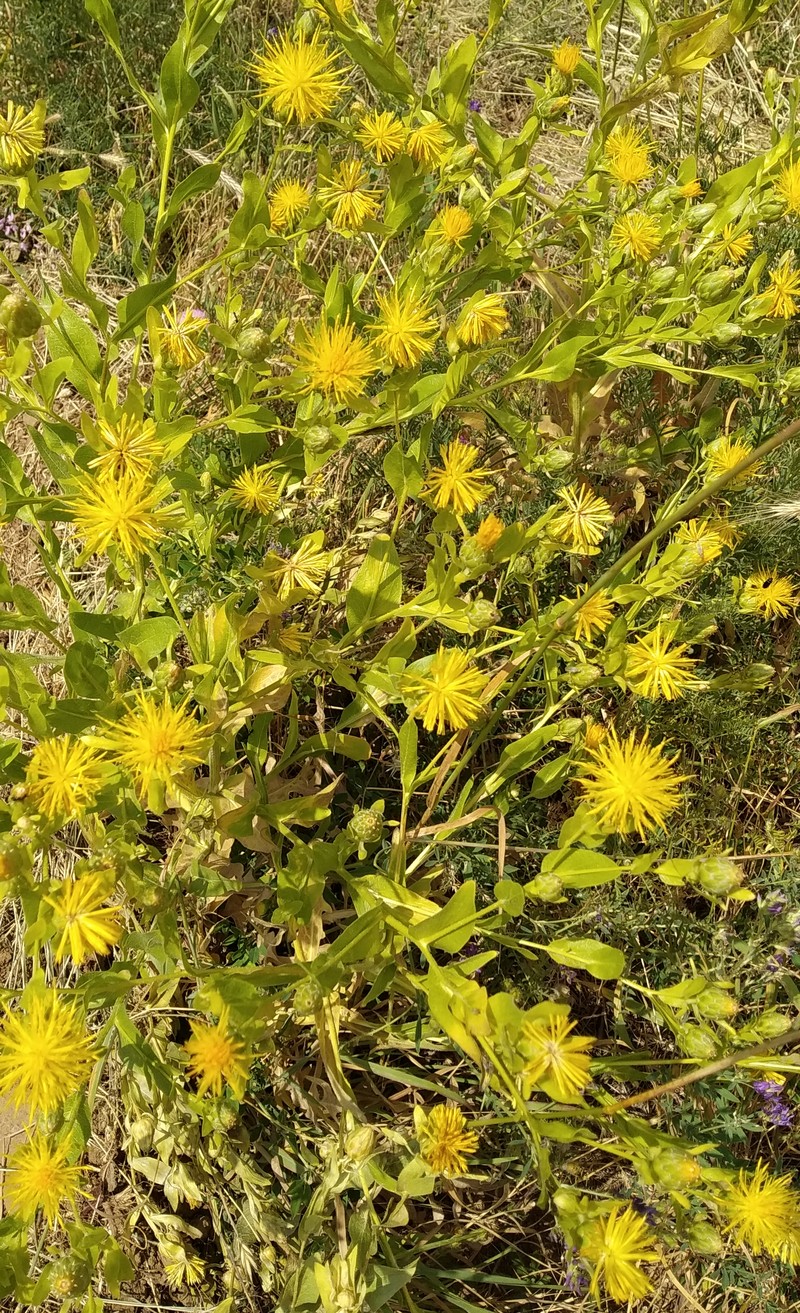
<point>72,337</point>
<point>408,755</point>
<point>551,777</point>
<point>179,90</point>
<point>452,927</point>
<point>578,869</point>
<point>86,673</point>
<point>600,960</point>
<point>197,184</point>
<point>133,308</point>
<point>86,242</point>
<point>149,638</point>
<point>519,756</point>
<point>460,1007</point>
<point>455,378</point>
<point>511,896</point>
<point>377,587</point>
<point>402,473</point>
<point>455,73</point>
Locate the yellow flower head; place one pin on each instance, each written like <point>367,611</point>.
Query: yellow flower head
<point>691,190</point>
<point>452,225</point>
<point>594,616</point>
<point>702,539</point>
<point>406,329</point>
<point>489,532</point>
<point>178,336</point>
<point>593,734</point>
<point>429,143</point>
<point>444,1141</point>
<point>63,777</point>
<point>21,137</point>
<point>336,360</point>
<point>451,693</point>
<point>615,1245</point>
<point>555,1060</point>
<point>130,447</point>
<point>45,1054</point>
<point>483,319</point>
<point>768,593</point>
<point>764,1213</point>
<point>350,198</point>
<point>788,186</point>
<point>305,568</point>
<point>783,290</point>
<point>256,489</point>
<point>628,155</point>
<point>154,741</point>
<point>182,1266</point>
<point>566,57</point>
<point>636,235</point>
<point>40,1176</point>
<point>124,511</point>
<point>458,484</point>
<point>630,785</point>
<point>299,77</point>
<point>87,925</point>
<point>217,1057</point>
<point>583,524</point>
<point>732,246</point>
<point>657,667</point>
<point>382,134</point>
<point>287,204</point>
<point>724,454</point>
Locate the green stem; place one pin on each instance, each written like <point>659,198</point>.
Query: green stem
<point>162,579</point>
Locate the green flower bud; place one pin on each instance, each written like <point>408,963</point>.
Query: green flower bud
<point>253,344</point>
<point>724,335</point>
<point>675,1169</point>
<point>227,1115</point>
<point>771,1024</point>
<point>715,1004</point>
<point>695,1041</point>
<point>660,280</point>
<point>19,316</point>
<point>582,676</point>
<point>546,887</point>
<point>141,1131</point>
<point>360,1144</point>
<point>317,438</point>
<point>365,825</point>
<point>69,1276</point>
<point>714,286</point>
<point>473,557</point>
<point>717,876</point>
<point>482,614</point>
<point>699,216</point>
<point>769,210</point>
<point>791,380</point>
<point>704,1238</point>
<point>522,567</point>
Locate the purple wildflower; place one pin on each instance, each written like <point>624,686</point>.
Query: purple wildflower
<point>777,962</point>
<point>776,1110</point>
<point>645,1210</point>
<point>576,1281</point>
<point>475,106</point>
<point>775,902</point>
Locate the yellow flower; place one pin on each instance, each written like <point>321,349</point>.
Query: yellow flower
<point>566,57</point>
<point>216,1056</point>
<point>593,734</point>
<point>769,593</point>
<point>287,203</point>
<point>615,1245</point>
<point>451,691</point>
<point>733,246</point>
<point>182,1266</point>
<point>87,925</point>
<point>483,318</point>
<point>337,361</point>
<point>45,1054</point>
<point>63,777</point>
<point>154,741</point>
<point>630,785</point>
<point>429,143</point>
<point>178,336</point>
<point>125,511</point>
<point>784,288</point>
<point>764,1212</point>
<point>256,489</point>
<point>131,447</point>
<point>299,77</point>
<point>691,190</point>
<point>628,155</point>
<point>453,225</point>
<point>444,1141</point>
<point>489,532</point>
<point>350,198</point>
<point>458,484</point>
<point>406,330</point>
<point>21,137</point>
<point>555,1060</point>
<point>788,186</point>
<point>383,134</point>
<point>305,568</point>
<point>39,1175</point>
<point>637,235</point>
<point>594,616</point>
<point>657,668</point>
<point>724,454</point>
<point>584,522</point>
<point>702,540</point>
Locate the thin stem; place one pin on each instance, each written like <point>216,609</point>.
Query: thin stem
<point>162,579</point>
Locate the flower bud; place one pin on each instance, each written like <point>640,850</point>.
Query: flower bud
<point>704,1238</point>
<point>253,344</point>
<point>769,210</point>
<point>69,1276</point>
<point>660,280</point>
<point>583,676</point>
<point>473,557</point>
<point>546,887</point>
<point>19,316</point>
<point>714,286</point>
<point>699,216</point>
<point>770,1024</point>
<point>715,1004</point>
<point>482,614</point>
<point>791,380</point>
<point>695,1041</point>
<point>675,1169</point>
<point>141,1131</point>
<point>360,1144</point>
<point>365,825</point>
<point>717,876</point>
<point>317,438</point>
<point>724,335</point>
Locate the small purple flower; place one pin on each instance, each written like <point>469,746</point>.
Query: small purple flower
<point>576,1281</point>
<point>475,106</point>
<point>776,1110</point>
<point>777,962</point>
<point>775,902</point>
<point>645,1210</point>
<point>195,313</point>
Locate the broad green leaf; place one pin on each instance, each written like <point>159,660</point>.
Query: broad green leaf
<point>197,184</point>
<point>600,960</point>
<point>402,473</point>
<point>149,638</point>
<point>452,927</point>
<point>132,309</point>
<point>578,869</point>
<point>377,587</point>
<point>408,755</point>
